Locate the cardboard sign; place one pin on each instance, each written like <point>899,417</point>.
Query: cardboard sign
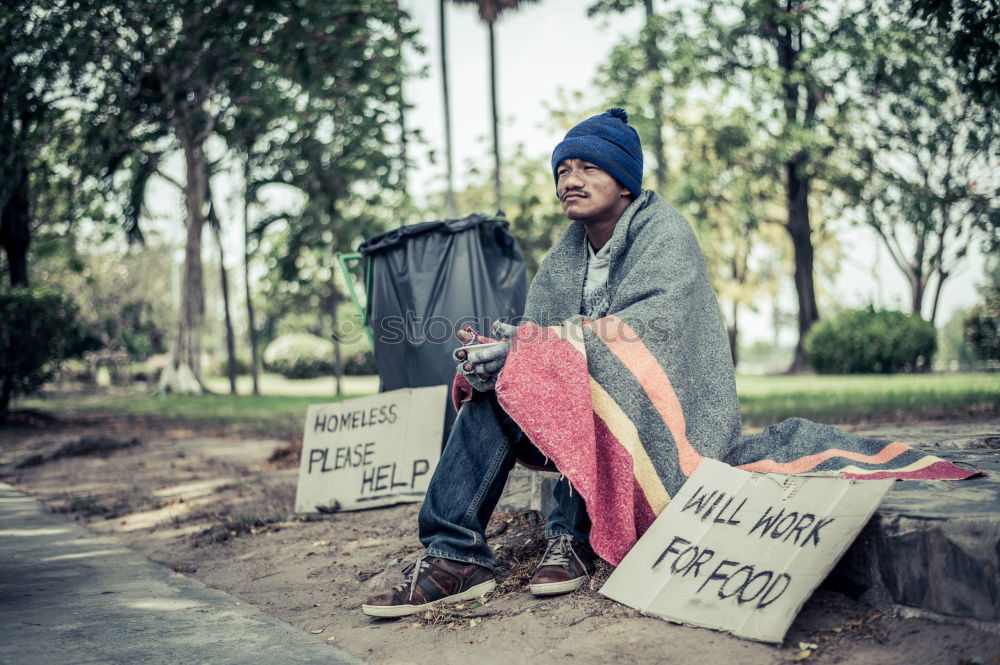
<point>371,451</point>
<point>740,551</point>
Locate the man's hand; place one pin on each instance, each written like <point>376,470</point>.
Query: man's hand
<point>481,366</point>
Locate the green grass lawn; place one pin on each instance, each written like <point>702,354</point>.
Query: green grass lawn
<point>275,384</point>
<point>274,415</point>
<point>768,399</point>
<point>279,411</point>
<point>764,400</point>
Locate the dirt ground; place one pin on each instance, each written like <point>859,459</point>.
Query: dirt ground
<point>219,509</point>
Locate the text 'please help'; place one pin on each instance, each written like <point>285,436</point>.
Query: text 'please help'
<point>371,451</point>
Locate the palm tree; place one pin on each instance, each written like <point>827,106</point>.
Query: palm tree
<point>653,59</point>
<point>450,192</point>
<point>489,10</point>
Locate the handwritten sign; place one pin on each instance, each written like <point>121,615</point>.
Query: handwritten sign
<point>371,451</point>
<point>740,551</point>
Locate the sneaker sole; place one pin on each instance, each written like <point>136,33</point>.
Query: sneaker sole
<point>557,588</point>
<point>406,610</point>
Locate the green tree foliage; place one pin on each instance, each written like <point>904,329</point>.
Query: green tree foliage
<point>729,197</point>
<point>982,327</point>
<point>321,79</point>
<point>296,296</point>
<point>36,328</point>
<point>719,178</point>
<point>982,324</point>
<point>954,350</point>
<point>177,61</point>
<point>536,217</point>
<point>783,67</point>
<point>791,59</point>
<point>973,29</point>
<point>869,341</point>
<point>124,299</point>
<point>928,157</point>
<point>341,151</point>
<point>47,66</point>
<point>255,134</point>
<point>530,204</point>
<point>653,84</point>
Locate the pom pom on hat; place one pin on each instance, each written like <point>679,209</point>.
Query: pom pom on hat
<point>608,141</point>
<point>618,113</point>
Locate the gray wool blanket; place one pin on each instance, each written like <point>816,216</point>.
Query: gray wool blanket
<point>628,403</point>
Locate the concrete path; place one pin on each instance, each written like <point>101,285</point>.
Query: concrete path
<point>69,596</point>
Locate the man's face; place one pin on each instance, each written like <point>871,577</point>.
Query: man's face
<point>587,191</point>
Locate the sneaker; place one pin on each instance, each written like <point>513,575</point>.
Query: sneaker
<point>566,565</point>
<point>428,581</point>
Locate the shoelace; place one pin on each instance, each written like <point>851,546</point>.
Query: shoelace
<point>410,574</point>
<point>558,552</point>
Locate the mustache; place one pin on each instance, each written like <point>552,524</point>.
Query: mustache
<point>578,192</point>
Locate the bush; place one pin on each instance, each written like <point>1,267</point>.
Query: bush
<point>360,363</point>
<point>866,341</point>
<point>151,369</point>
<point>73,369</point>
<point>36,327</point>
<point>299,356</point>
<point>982,325</point>
<point>954,352</point>
<point>138,344</point>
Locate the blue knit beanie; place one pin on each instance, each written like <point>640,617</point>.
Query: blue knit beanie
<point>608,141</point>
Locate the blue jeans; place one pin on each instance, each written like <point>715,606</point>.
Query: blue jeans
<point>469,478</point>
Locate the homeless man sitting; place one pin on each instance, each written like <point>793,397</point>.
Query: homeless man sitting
<point>625,252</point>
<point>620,378</point>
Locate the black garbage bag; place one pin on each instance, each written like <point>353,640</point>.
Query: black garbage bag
<point>427,281</point>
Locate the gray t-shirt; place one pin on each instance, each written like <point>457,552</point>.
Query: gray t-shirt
<point>596,299</point>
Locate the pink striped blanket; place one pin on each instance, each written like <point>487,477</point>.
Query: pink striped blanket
<point>591,434</point>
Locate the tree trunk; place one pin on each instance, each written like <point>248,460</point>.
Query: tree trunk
<point>251,319</point>
<point>216,225</point>
<point>6,391</point>
<point>15,230</point>
<point>801,235</point>
<point>338,365</point>
<point>338,361</point>
<point>788,43</point>
<point>776,323</point>
<point>184,372</point>
<point>734,335</point>
<point>404,160</point>
<point>401,106</point>
<point>918,285</point>
<point>937,296</point>
<point>656,100</point>
<point>320,329</point>
<point>449,200</point>
<point>496,122</point>
<point>230,337</point>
